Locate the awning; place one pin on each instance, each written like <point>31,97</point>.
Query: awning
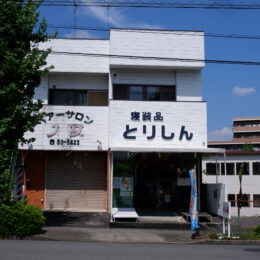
<point>168,150</point>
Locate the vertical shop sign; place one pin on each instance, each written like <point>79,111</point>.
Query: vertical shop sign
<point>193,201</point>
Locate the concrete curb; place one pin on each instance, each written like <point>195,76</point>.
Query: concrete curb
<point>194,242</point>
<point>122,237</point>
<point>228,242</point>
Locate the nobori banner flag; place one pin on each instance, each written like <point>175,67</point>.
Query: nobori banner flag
<point>193,200</point>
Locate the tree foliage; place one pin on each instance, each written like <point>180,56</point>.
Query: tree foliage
<point>22,64</point>
<point>247,147</point>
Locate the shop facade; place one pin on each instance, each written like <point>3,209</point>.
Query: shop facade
<point>124,123</point>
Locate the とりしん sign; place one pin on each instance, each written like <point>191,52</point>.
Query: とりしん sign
<point>166,134</point>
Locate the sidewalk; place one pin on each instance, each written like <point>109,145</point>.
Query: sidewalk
<point>129,235</point>
<point>81,234</point>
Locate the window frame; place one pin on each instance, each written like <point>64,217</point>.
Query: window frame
<point>144,92</point>
<point>245,204</point>
<point>85,91</point>
<point>217,168</point>
<point>223,168</point>
<point>233,202</point>
<point>237,168</point>
<point>253,173</point>
<point>256,203</point>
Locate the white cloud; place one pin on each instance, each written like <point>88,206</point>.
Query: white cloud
<point>117,18</point>
<point>243,91</point>
<point>223,134</point>
<point>79,34</point>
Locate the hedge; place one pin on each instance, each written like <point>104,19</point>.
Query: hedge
<point>19,220</point>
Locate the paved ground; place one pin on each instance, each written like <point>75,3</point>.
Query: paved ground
<point>48,250</point>
<point>115,235</point>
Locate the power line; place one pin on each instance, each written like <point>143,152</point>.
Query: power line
<point>214,35</point>
<point>169,31</point>
<point>231,62</point>
<point>143,4</point>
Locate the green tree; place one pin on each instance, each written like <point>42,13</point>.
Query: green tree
<point>22,64</point>
<point>247,147</point>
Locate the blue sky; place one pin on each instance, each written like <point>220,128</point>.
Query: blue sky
<point>230,90</point>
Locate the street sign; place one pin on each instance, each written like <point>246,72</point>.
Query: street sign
<point>226,210</point>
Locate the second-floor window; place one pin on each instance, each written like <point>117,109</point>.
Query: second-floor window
<point>66,97</point>
<point>144,92</point>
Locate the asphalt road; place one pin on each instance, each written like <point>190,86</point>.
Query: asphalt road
<point>34,250</point>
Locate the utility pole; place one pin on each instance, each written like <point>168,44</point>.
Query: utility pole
<point>74,17</point>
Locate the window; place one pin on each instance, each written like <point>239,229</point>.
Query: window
<point>230,168</point>
<point>69,97</point>
<point>97,98</point>
<point>256,199</point>
<point>244,200</point>
<point>244,167</point>
<point>144,92</point>
<point>212,168</point>
<point>232,199</point>
<point>135,93</point>
<point>256,168</point>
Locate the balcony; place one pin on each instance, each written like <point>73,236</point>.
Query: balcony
<point>246,128</point>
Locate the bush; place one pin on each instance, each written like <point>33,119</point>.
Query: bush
<point>20,220</point>
<point>257,230</point>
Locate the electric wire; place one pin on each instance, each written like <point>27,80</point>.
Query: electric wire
<point>233,62</point>
<point>145,4</point>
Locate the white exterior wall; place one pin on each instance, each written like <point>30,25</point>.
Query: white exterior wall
<point>188,85</point>
<point>77,62</point>
<point>78,81</point>
<point>250,183</point>
<point>160,44</point>
<point>41,92</point>
<point>145,77</point>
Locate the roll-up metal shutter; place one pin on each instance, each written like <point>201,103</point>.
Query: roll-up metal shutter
<point>76,181</point>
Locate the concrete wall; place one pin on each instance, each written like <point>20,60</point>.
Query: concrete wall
<point>250,183</point>
<point>188,85</point>
<point>162,44</point>
<point>41,92</point>
<point>82,60</point>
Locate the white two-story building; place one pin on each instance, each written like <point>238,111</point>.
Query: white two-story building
<point>124,123</point>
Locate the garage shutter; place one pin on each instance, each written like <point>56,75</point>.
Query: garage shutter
<point>76,180</point>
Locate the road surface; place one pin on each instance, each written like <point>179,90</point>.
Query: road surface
<point>48,250</point>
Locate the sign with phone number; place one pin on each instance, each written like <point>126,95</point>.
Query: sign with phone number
<point>75,142</point>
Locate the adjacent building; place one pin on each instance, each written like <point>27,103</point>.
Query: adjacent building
<point>125,121</point>
<point>242,153</point>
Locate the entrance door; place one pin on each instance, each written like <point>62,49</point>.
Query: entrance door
<point>162,183</point>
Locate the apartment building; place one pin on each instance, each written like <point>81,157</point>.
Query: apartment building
<point>242,153</point>
<point>124,123</point>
